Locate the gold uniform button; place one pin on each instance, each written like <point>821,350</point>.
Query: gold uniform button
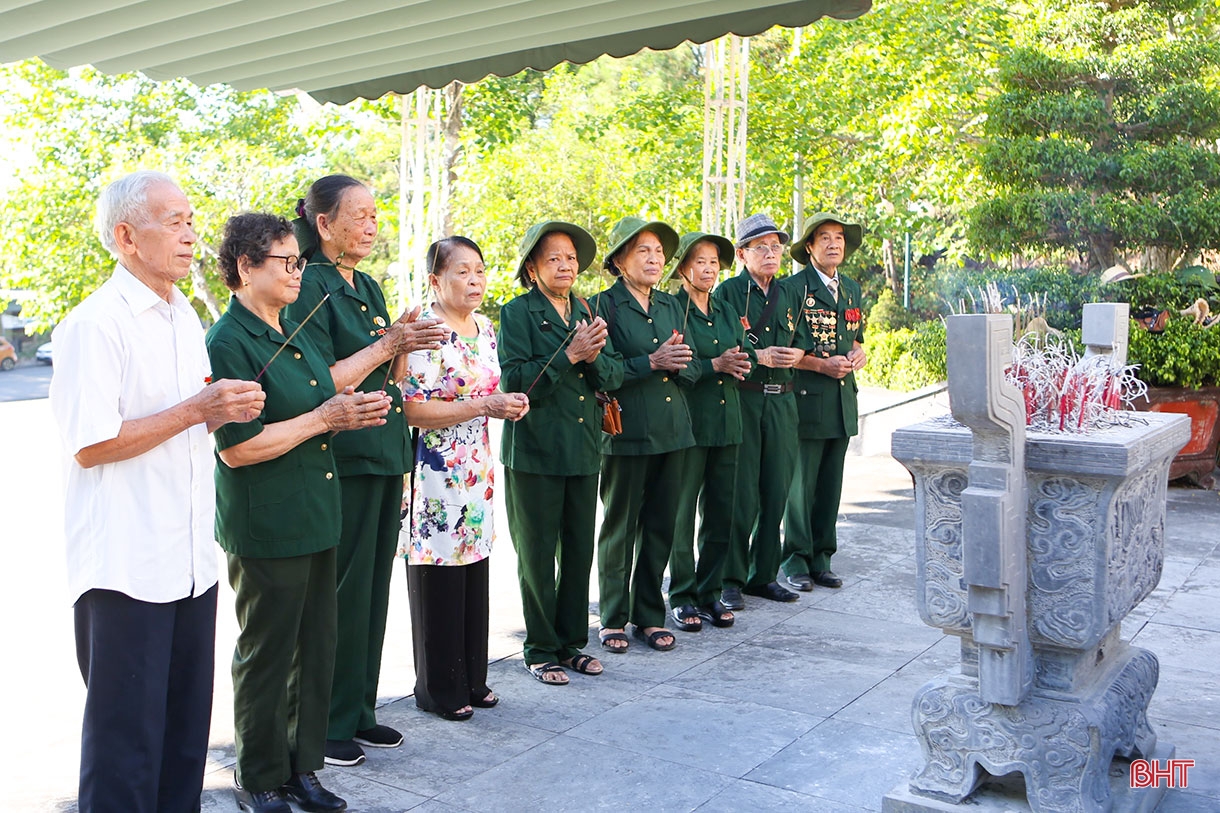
<point>372,333</point>
<point>582,398</point>
<point>667,399</point>
<point>580,375</point>
<point>767,329</point>
<point>364,307</point>
<point>722,402</point>
<point>324,447</point>
<point>715,341</point>
<point>296,356</point>
<point>842,383</point>
<point>654,341</point>
<point>580,420</point>
<point>720,381</point>
<point>329,476</point>
<point>665,378</point>
<point>391,381</point>
<point>398,409</point>
<point>313,382</point>
<point>650,321</point>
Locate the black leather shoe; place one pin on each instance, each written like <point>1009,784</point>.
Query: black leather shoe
<point>772,591</point>
<point>731,598</point>
<point>801,581</point>
<point>263,801</point>
<point>827,578</point>
<point>308,793</point>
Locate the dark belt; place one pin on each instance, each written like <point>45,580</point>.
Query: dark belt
<point>766,389</point>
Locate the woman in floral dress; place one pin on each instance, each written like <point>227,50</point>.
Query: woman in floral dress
<point>449,393</point>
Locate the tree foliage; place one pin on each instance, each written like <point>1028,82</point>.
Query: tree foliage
<point>1102,138</point>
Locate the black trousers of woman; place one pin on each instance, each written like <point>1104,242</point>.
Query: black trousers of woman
<point>449,606</point>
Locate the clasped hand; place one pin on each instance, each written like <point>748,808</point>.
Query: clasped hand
<point>779,357</point>
<point>354,410</point>
<point>588,339</point>
<point>734,362</point>
<point>230,401</point>
<point>410,333</point>
<point>671,355</point>
<point>509,406</point>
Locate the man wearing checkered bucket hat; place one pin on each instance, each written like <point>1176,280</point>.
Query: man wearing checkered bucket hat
<point>773,336</point>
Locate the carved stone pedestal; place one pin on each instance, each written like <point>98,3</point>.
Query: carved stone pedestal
<point>1032,548</point>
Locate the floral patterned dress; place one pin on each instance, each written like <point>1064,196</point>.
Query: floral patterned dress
<point>451,520</point>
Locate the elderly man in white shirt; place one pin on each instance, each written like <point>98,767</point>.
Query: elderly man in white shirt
<point>134,407</point>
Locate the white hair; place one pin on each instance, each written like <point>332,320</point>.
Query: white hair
<point>125,200</point>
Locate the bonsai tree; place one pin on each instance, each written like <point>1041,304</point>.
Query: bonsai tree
<point>1102,138</point>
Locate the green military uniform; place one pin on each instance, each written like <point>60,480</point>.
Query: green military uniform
<point>828,418</point>
<point>551,460</point>
<point>711,464</point>
<point>767,456</point>
<point>642,469</point>
<point>371,466</point>
<point>279,522</point>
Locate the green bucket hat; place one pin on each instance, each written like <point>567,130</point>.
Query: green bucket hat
<point>629,227</point>
<point>853,236</point>
<point>586,246</point>
<point>724,248</point>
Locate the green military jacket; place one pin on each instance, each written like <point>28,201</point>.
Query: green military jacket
<point>713,400</point>
<point>826,407</point>
<point>561,435</point>
<point>350,320</point>
<point>655,415</point>
<point>287,506</point>
<point>782,328</point>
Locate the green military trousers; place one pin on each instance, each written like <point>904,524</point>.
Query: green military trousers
<point>813,506</point>
<point>639,507</point>
<point>282,665</point>
<point>551,520</point>
<point>765,465</point>
<point>710,482</point>
<point>372,514</point>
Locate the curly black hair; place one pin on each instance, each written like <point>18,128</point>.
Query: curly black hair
<point>249,235</point>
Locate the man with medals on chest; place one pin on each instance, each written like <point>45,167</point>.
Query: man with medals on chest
<point>825,396</point>
<point>767,455</point>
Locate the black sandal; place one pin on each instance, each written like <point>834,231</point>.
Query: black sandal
<point>714,614</point>
<point>541,670</point>
<point>680,614</point>
<point>483,702</point>
<point>604,637</point>
<point>580,662</point>
<point>651,638</point>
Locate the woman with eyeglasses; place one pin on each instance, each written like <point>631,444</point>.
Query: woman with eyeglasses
<point>277,518</point>
<point>642,467</point>
<point>344,312</point>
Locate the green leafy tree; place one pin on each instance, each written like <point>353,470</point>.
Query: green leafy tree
<point>1102,139</point>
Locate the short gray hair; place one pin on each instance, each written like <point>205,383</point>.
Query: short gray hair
<point>125,200</point>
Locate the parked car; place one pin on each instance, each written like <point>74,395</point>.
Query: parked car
<point>8,354</point>
<point>43,354</point>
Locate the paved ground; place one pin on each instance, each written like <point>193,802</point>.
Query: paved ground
<point>802,707</point>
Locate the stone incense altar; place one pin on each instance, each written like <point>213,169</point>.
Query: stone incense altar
<point>1031,548</point>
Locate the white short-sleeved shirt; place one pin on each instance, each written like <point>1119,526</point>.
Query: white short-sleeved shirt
<point>143,526</point>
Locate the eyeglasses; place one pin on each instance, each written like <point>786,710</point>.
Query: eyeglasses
<point>290,261</point>
<point>766,250</point>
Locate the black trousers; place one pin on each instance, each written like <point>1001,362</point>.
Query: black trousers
<point>449,606</point>
<point>148,672</point>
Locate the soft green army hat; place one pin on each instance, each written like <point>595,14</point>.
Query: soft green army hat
<point>629,227</point>
<point>586,246</point>
<point>853,236</point>
<point>724,248</point>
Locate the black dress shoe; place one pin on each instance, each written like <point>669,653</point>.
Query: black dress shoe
<point>801,581</point>
<point>263,801</point>
<point>731,597</point>
<point>308,793</point>
<point>827,578</point>
<point>772,591</point>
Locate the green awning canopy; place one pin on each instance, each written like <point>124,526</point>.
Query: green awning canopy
<point>338,50</point>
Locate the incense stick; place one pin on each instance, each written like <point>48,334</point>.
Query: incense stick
<point>291,336</point>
